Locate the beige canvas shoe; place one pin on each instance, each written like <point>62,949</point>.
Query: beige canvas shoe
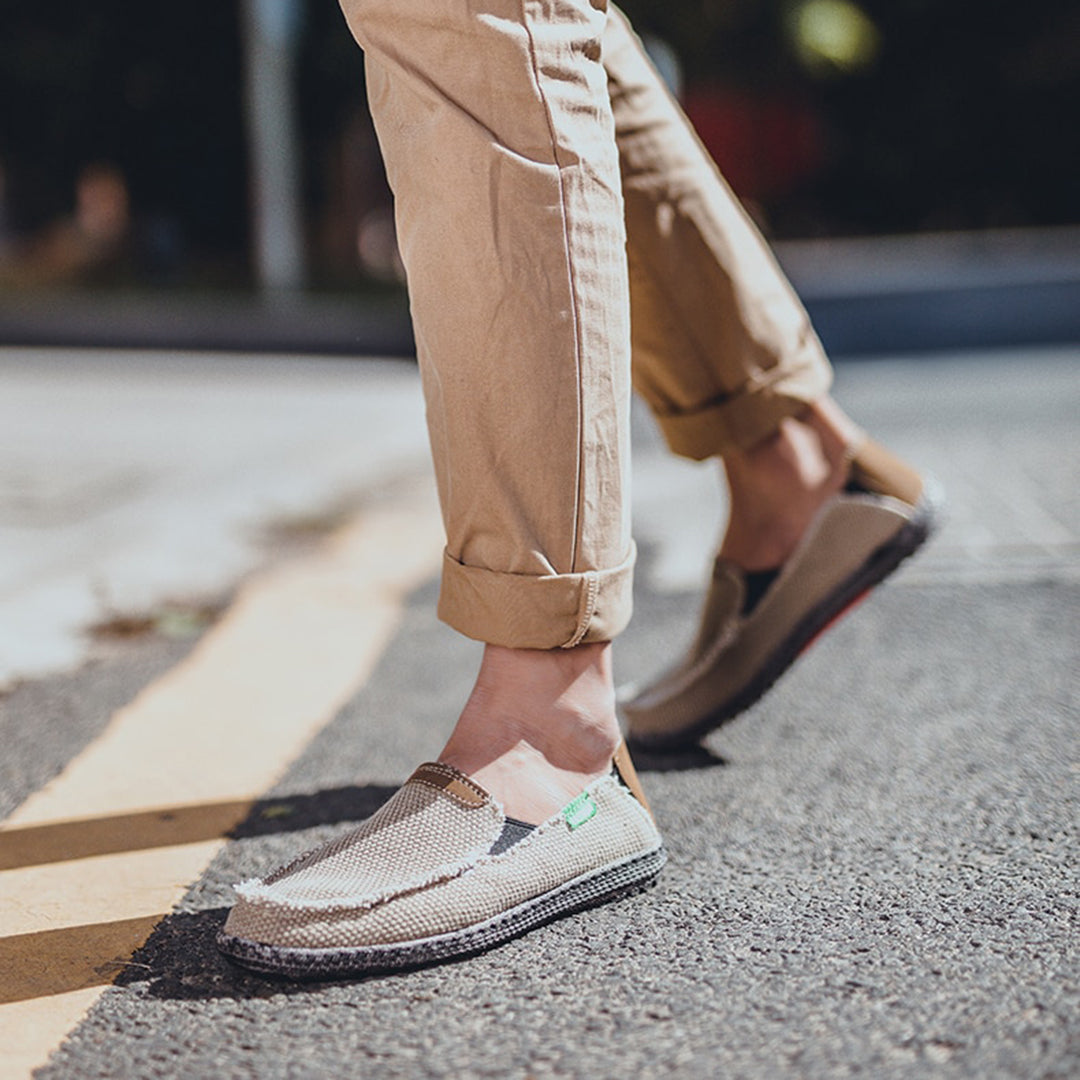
<point>885,514</point>
<point>438,873</point>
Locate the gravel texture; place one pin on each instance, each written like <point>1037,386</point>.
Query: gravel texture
<point>872,872</point>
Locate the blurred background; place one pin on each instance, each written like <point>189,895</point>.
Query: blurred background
<point>164,168</point>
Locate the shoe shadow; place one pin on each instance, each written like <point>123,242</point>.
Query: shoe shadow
<point>685,759</point>
<point>180,960</point>
<point>293,813</point>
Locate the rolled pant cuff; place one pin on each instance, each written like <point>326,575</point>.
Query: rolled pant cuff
<point>751,415</point>
<point>521,611</point>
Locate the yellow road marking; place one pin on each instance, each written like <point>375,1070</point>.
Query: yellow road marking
<point>37,845</point>
<point>88,891</point>
<point>59,962</point>
<point>91,862</point>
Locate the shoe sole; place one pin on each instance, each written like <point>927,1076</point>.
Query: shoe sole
<point>843,599</point>
<point>611,882</point>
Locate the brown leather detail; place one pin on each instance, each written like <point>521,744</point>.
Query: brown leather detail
<point>628,774</point>
<point>878,470</point>
<point>454,783</point>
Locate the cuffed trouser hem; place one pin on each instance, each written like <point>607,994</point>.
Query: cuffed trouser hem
<point>753,414</point>
<point>525,612</point>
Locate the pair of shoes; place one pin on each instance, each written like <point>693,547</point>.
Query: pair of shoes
<point>746,642</point>
<point>440,873</point>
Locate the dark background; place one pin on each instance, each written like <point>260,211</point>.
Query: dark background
<point>963,115</point>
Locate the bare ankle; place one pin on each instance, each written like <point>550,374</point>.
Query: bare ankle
<point>538,726</point>
<point>777,486</point>
<point>840,434</point>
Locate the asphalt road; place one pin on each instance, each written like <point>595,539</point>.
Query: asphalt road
<point>873,872</point>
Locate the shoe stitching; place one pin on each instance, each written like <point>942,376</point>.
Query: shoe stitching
<point>262,892</point>
<point>364,828</point>
<point>254,891</point>
<point>556,821</point>
<point>393,954</point>
<point>452,774</point>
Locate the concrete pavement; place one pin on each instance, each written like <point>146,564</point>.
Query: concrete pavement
<point>129,480</point>
<point>873,871</point>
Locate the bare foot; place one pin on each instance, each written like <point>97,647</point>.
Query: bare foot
<point>778,486</point>
<point>538,727</point>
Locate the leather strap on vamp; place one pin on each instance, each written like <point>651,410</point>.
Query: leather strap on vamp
<point>454,783</point>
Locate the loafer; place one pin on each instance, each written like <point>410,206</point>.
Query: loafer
<point>886,512</point>
<point>438,873</point>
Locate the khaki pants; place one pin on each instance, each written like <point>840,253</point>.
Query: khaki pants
<point>550,195</point>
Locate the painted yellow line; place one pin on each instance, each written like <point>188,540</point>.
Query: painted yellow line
<point>84,892</point>
<point>54,963</point>
<point>62,841</point>
<point>89,864</point>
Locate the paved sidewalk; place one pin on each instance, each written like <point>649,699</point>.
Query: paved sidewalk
<point>873,872</point>
<point>131,480</point>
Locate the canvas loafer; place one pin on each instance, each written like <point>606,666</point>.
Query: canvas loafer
<point>859,537</point>
<point>438,873</point>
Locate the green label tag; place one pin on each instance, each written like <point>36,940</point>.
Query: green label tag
<point>580,810</point>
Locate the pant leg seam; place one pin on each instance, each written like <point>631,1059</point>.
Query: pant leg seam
<point>588,609</point>
<point>572,282</point>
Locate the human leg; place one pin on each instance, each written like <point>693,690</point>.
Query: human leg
<point>499,144</point>
<point>723,350</point>
<point>722,347</point>
<point>521,314</point>
<point>724,354</point>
